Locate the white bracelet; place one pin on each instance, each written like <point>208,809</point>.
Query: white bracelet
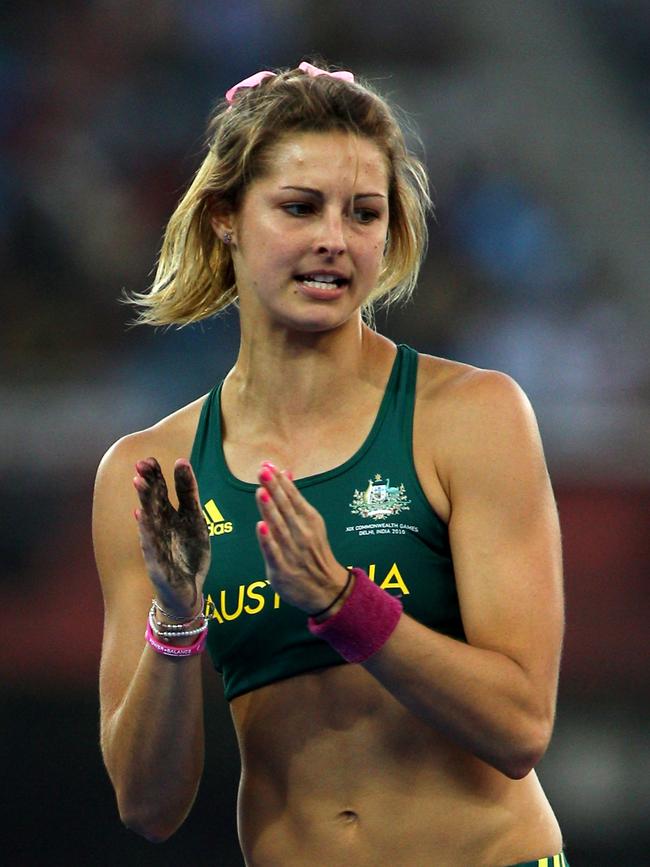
<point>185,633</point>
<point>179,626</point>
<point>174,626</point>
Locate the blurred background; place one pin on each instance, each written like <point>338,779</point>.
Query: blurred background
<point>535,121</point>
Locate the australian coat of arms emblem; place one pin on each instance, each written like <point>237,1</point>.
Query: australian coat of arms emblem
<point>379,500</point>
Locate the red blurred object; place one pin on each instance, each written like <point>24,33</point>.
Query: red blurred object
<point>606,535</point>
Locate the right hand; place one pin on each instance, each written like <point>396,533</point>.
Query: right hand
<point>175,543</point>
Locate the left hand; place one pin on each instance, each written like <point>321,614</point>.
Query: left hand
<point>300,565</point>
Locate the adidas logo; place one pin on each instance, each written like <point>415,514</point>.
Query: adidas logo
<point>217,524</point>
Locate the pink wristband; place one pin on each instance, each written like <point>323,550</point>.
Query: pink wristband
<point>197,646</point>
<point>365,622</point>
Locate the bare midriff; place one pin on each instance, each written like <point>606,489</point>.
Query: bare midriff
<point>336,772</point>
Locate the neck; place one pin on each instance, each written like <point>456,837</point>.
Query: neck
<point>298,376</point>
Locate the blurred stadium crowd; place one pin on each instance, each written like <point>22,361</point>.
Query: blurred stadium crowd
<point>534,127</point>
<point>534,119</point>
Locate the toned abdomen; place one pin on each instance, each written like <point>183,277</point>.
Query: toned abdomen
<point>336,772</point>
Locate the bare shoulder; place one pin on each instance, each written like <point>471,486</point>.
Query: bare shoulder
<point>462,387</point>
<point>115,537</point>
<point>466,416</point>
<point>167,440</point>
<point>462,396</point>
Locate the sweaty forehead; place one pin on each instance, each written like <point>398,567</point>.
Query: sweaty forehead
<point>332,159</point>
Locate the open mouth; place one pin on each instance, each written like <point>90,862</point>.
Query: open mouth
<point>322,281</point>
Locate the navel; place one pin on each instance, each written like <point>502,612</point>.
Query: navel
<point>348,817</point>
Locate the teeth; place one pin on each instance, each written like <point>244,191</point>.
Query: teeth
<point>322,278</point>
<point>319,284</point>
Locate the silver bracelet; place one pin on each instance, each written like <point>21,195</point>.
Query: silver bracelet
<point>186,633</point>
<point>182,621</point>
<point>201,618</point>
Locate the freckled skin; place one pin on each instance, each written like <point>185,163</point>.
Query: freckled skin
<point>271,243</point>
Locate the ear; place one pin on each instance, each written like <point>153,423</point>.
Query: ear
<point>222,220</point>
<point>222,226</point>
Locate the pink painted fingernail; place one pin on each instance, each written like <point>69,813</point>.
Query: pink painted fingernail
<point>265,497</point>
<point>264,530</point>
<point>266,475</point>
<point>289,475</point>
<point>271,466</point>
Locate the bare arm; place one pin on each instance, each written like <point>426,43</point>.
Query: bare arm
<point>151,705</point>
<point>494,695</point>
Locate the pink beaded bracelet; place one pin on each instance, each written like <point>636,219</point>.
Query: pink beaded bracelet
<point>193,649</point>
<point>363,624</point>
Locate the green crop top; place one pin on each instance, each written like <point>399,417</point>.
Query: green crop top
<point>377,517</point>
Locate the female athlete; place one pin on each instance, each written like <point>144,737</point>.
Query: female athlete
<point>364,537</point>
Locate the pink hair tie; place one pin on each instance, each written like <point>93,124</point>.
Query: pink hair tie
<point>363,624</point>
<point>315,71</point>
<point>308,68</point>
<point>251,81</point>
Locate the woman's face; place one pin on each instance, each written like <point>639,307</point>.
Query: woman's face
<point>308,240</point>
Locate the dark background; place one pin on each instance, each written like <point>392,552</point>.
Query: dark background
<point>535,123</point>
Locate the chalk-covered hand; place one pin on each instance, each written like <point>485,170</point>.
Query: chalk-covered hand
<point>175,542</point>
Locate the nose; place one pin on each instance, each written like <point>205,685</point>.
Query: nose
<point>330,238</point>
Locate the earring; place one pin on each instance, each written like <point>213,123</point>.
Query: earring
<point>227,237</point>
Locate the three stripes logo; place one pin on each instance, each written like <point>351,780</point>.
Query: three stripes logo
<point>217,524</point>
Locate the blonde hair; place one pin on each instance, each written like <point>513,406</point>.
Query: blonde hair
<point>195,277</point>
